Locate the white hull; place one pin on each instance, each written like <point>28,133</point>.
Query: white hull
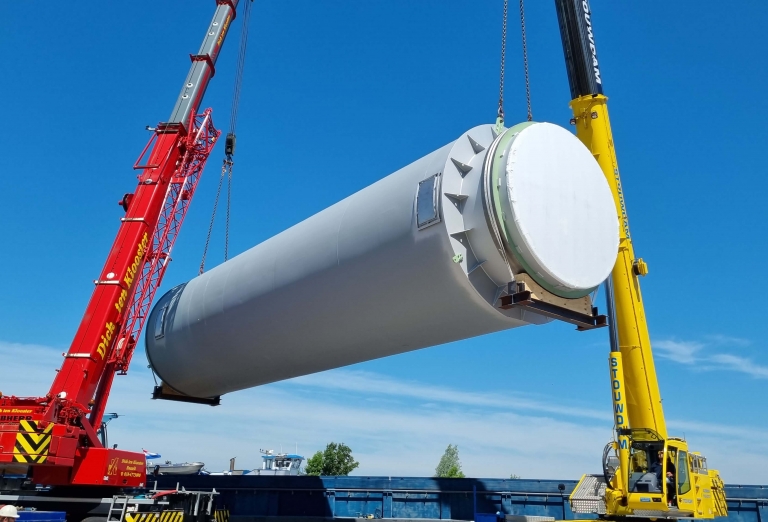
<point>187,468</point>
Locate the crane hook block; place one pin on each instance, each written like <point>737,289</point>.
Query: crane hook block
<point>229,146</point>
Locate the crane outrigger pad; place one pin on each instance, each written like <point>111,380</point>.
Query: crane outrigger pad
<point>526,293</point>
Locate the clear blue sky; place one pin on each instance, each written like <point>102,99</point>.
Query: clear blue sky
<point>338,94</point>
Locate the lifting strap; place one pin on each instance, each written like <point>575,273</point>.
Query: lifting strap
<point>229,146</point>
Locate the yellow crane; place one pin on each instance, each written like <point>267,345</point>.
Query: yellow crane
<point>646,473</point>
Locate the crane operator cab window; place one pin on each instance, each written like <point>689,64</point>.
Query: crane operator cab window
<point>643,464</point>
<point>683,479</point>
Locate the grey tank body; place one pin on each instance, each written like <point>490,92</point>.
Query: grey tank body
<point>358,281</point>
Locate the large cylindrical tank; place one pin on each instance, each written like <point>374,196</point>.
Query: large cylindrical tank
<point>417,259</point>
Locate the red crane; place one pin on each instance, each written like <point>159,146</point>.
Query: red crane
<point>53,438</point>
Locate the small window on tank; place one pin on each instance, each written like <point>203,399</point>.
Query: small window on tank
<point>427,211</point>
<point>160,323</point>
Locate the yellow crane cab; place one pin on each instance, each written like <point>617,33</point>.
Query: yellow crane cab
<point>663,479</point>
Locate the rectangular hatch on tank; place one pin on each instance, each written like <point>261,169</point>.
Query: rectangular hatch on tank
<point>427,200</point>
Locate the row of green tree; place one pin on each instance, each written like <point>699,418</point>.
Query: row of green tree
<point>337,460</point>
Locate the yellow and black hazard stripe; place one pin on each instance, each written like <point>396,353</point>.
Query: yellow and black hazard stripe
<point>32,442</point>
<point>171,516</point>
<point>141,517</point>
<point>164,516</point>
<point>221,515</point>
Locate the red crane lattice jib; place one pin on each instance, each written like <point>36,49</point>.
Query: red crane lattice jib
<point>90,350</point>
<point>56,434</point>
<point>181,187</point>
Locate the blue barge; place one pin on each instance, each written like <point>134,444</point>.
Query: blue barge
<point>281,499</point>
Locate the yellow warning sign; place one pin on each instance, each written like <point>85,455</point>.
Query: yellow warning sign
<point>32,442</point>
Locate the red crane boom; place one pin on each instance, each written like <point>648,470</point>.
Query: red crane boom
<point>54,436</point>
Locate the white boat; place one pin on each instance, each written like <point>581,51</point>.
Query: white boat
<point>182,468</point>
<point>278,464</point>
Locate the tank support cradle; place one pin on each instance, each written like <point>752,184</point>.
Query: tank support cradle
<point>167,393</point>
<point>526,293</point>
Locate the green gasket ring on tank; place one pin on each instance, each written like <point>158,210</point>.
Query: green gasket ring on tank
<point>496,173</point>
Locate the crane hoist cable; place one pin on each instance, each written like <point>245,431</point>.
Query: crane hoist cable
<point>525,60</point>
<point>213,217</point>
<point>229,147</point>
<point>500,112</point>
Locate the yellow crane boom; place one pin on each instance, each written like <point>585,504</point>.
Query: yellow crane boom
<point>643,399</point>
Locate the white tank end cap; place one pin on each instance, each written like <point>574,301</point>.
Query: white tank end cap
<point>563,221</point>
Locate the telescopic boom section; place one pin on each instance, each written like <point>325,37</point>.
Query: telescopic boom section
<point>52,433</point>
<point>593,128</point>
